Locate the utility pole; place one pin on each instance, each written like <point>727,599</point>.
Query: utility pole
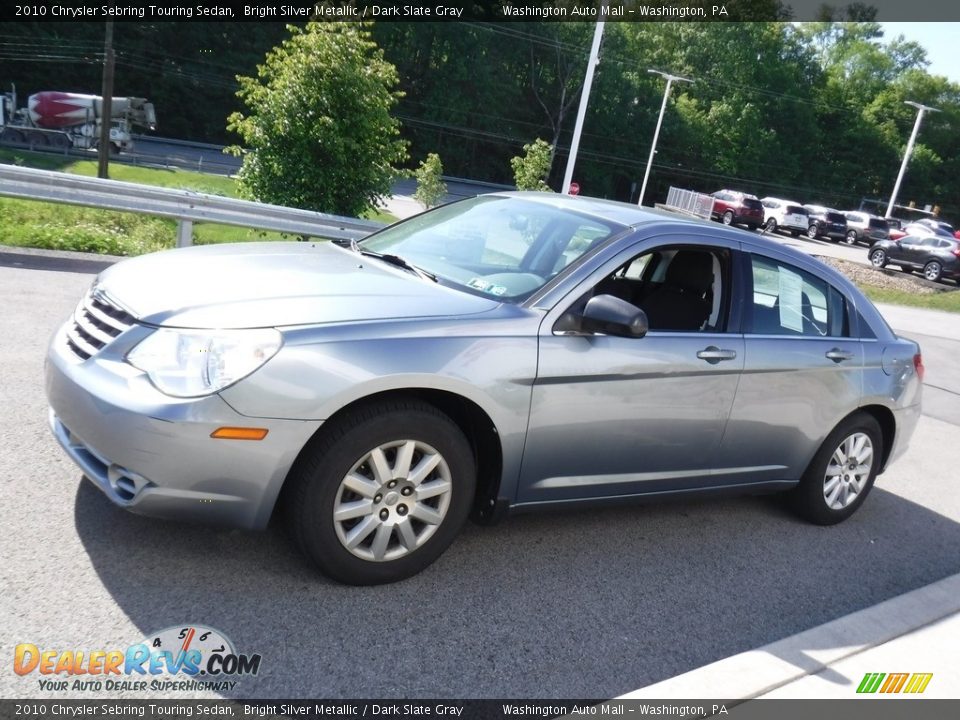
<point>584,98</point>
<point>106,109</point>
<point>656,133</point>
<point>909,150</point>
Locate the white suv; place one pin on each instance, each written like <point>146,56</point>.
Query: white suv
<point>784,215</point>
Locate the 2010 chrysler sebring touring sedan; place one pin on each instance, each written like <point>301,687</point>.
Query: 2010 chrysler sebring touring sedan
<point>508,352</point>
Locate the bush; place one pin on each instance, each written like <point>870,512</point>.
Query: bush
<point>431,189</point>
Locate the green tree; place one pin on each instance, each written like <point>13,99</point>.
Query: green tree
<point>319,133</point>
<point>530,170</point>
<point>431,189</point>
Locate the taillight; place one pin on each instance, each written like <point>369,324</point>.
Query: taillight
<point>918,365</point>
<point>956,251</point>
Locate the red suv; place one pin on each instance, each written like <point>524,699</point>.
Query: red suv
<point>736,208</point>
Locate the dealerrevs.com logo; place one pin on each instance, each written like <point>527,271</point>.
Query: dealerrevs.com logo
<point>182,658</point>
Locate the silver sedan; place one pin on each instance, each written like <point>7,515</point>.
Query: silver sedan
<point>501,354</point>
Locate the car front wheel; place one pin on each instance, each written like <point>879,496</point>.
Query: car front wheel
<point>933,270</point>
<point>812,232</point>
<point>771,225</point>
<point>878,258</point>
<point>842,472</point>
<point>727,218</point>
<point>851,237</point>
<point>383,493</point>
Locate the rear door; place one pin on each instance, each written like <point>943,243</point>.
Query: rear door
<point>802,371</point>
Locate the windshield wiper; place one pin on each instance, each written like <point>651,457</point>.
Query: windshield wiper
<point>399,262</point>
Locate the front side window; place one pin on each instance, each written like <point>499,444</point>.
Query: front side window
<point>500,247</point>
<point>681,289</point>
<point>789,301</point>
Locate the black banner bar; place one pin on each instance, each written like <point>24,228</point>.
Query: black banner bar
<point>479,10</point>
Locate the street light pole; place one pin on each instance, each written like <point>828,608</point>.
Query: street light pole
<point>584,97</point>
<point>656,133</point>
<point>909,150</point>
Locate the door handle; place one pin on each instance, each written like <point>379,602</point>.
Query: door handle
<point>838,355</point>
<point>713,354</point>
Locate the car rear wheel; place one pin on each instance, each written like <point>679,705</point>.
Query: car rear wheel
<point>812,232</point>
<point>727,218</point>
<point>842,472</point>
<point>878,258</point>
<point>933,270</point>
<point>382,495</point>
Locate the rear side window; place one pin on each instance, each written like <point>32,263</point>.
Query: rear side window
<point>836,217</point>
<point>878,223</point>
<point>796,210</point>
<point>789,301</point>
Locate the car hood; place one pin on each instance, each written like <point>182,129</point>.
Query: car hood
<point>273,285</point>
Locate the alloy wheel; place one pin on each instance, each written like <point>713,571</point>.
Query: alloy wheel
<point>848,471</point>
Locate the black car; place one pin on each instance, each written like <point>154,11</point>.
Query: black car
<point>936,255</point>
<point>826,222</point>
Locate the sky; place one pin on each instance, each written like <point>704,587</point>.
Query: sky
<point>939,39</point>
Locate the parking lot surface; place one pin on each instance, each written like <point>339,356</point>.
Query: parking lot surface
<point>564,605</point>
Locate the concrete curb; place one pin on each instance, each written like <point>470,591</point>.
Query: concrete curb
<point>757,672</point>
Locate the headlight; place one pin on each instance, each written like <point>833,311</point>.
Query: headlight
<point>191,363</point>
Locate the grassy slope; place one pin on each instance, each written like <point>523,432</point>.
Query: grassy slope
<point>64,227</point>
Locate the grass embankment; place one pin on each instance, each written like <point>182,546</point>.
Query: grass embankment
<point>56,226</point>
<point>949,300</point>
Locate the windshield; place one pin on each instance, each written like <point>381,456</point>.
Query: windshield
<point>494,246</point>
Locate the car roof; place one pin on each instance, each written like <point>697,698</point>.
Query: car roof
<point>620,213</point>
<point>635,216</point>
<point>785,201</point>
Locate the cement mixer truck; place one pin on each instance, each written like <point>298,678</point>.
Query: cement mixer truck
<point>62,120</point>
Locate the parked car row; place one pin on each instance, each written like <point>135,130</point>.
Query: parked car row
<point>733,207</point>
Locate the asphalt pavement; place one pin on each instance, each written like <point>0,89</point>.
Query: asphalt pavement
<point>562,605</point>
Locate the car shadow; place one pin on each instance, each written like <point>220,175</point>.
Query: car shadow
<point>574,604</point>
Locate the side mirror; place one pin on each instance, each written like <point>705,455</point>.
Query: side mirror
<point>605,314</point>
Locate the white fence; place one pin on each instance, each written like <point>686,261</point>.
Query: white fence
<point>690,202</point>
<point>185,206</point>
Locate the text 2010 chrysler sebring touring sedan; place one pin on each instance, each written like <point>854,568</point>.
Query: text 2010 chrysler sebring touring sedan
<point>512,351</point>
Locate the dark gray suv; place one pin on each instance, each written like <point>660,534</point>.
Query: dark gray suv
<point>938,256</point>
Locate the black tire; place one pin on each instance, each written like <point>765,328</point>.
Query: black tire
<point>878,258</point>
<point>316,489</point>
<point>795,233</point>
<point>852,237</point>
<point>933,271</point>
<point>907,269</point>
<point>809,498</point>
<point>813,231</point>
<point>771,225</point>
<point>727,218</point>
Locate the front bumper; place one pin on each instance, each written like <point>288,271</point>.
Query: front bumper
<point>152,454</point>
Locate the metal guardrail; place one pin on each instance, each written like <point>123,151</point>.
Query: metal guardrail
<point>185,206</point>
<point>690,202</point>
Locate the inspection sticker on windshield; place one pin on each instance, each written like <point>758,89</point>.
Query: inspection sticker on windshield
<point>497,290</point>
<point>479,284</point>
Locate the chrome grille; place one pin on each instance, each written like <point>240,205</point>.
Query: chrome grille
<point>96,322</point>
